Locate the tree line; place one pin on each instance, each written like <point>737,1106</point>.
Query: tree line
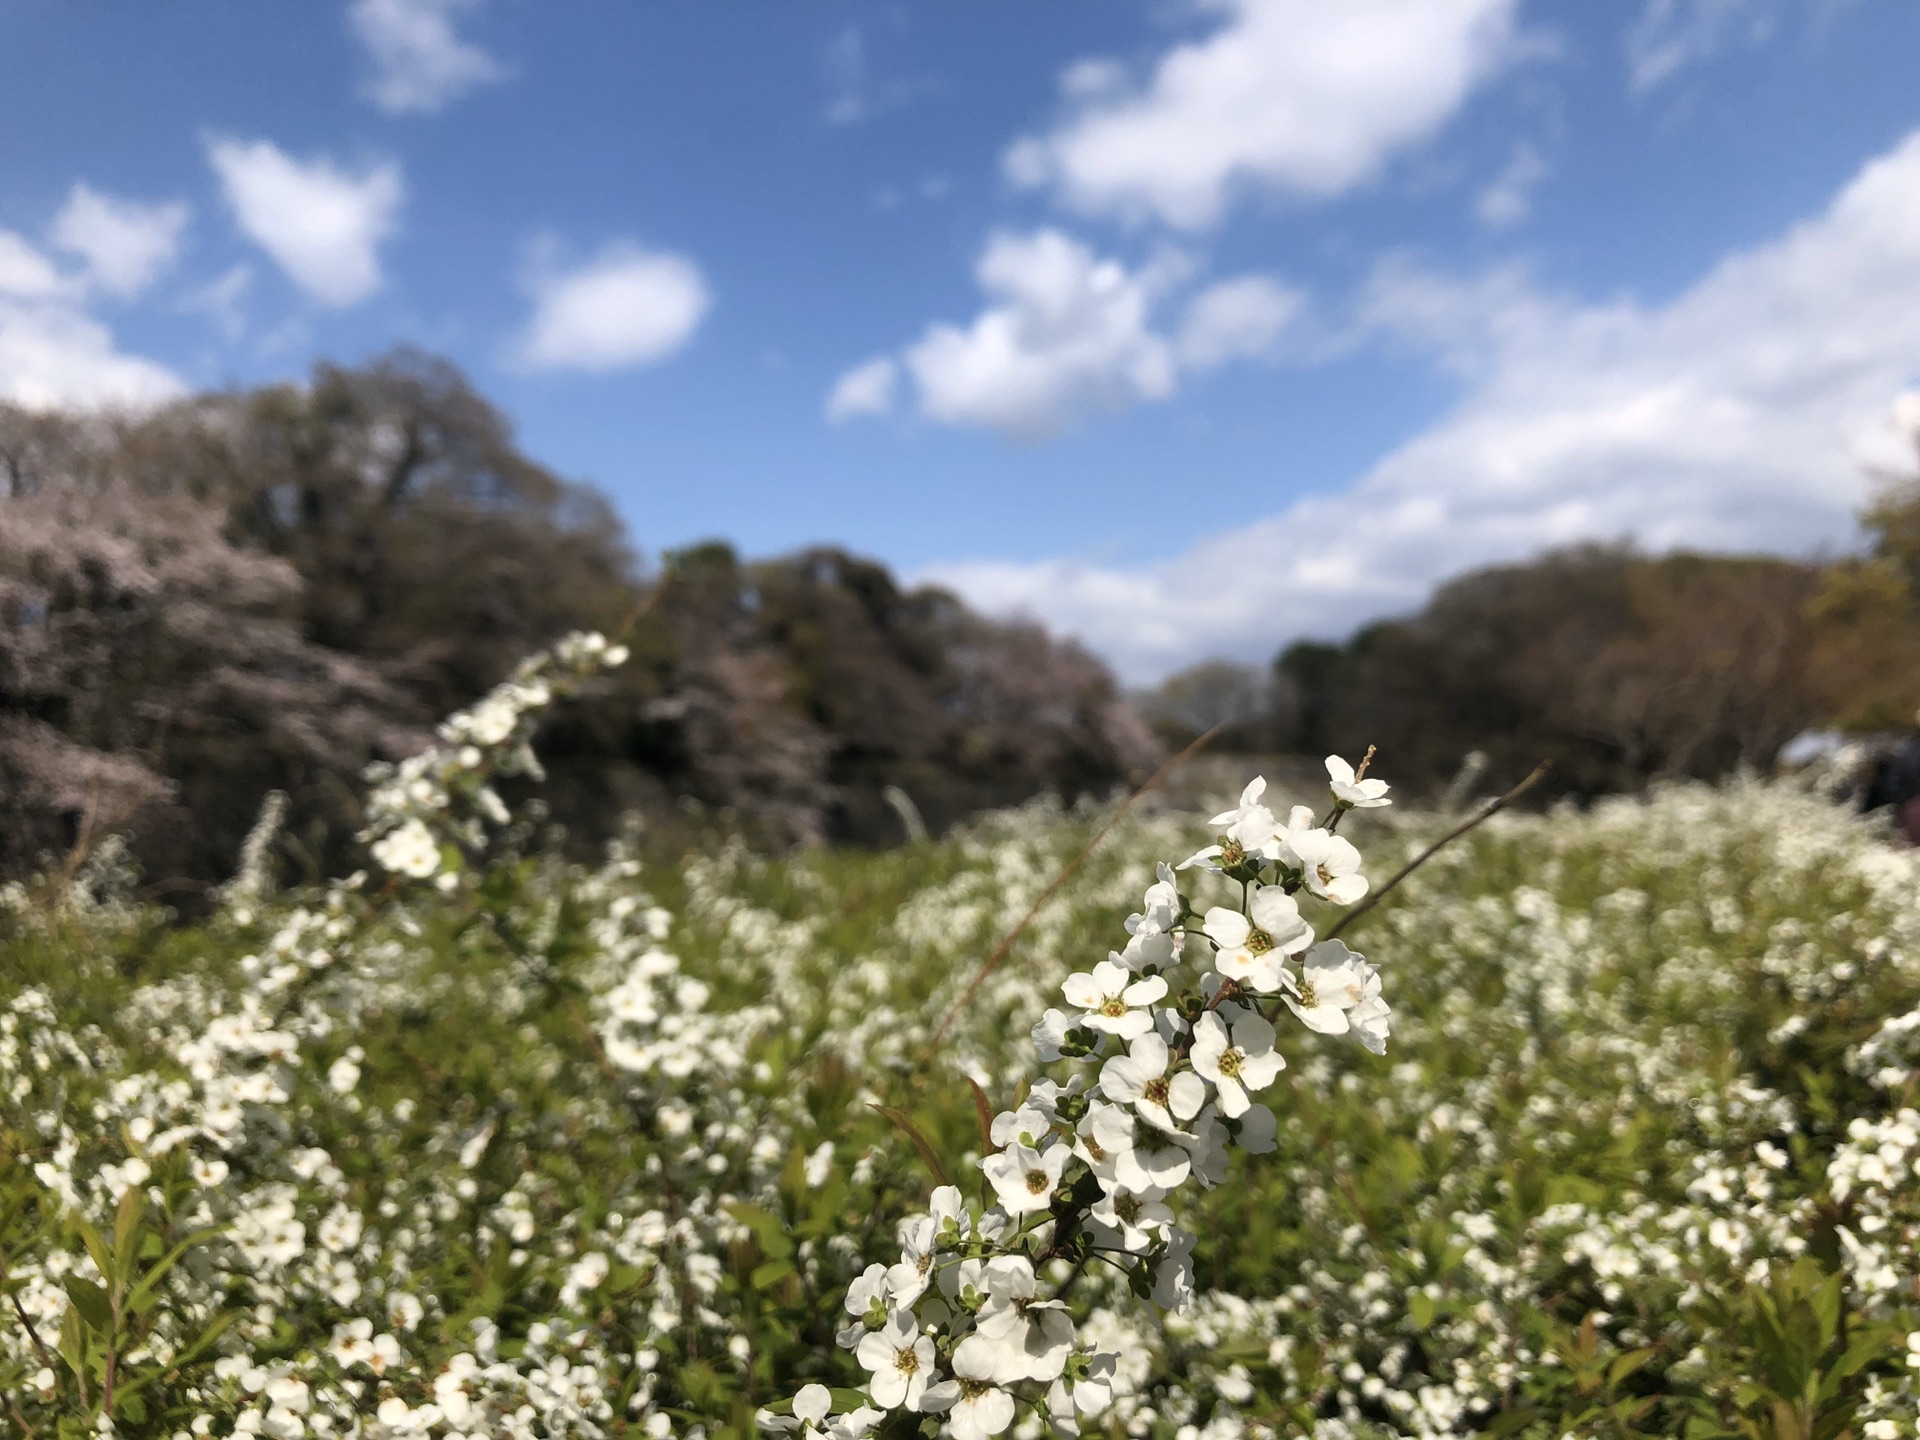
<point>261,590</point>
<point>1619,667</point>
<point>266,589</point>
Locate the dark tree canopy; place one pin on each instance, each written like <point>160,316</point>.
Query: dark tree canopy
<point>1619,667</point>
<point>266,589</point>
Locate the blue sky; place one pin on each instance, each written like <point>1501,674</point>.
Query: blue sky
<point>1189,326</point>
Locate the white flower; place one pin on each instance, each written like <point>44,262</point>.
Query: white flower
<point>907,1281</point>
<point>1257,1130</point>
<point>408,850</point>
<point>1333,980</point>
<point>1139,1078</point>
<point>1113,1000</point>
<point>1151,931</point>
<point>1028,1125</point>
<point>1136,1218</point>
<point>1089,1392</point>
<point>1236,1061</point>
<point>1246,833</point>
<point>867,1296</point>
<point>1329,864</point>
<point>812,1404</point>
<point>951,1223</point>
<point>1104,1134</point>
<point>1025,1178</point>
<point>1173,1280</point>
<point>1105,1140</point>
<point>1251,946</point>
<point>1371,1020</point>
<point>901,1360</point>
<point>1360,794</point>
<point>1049,1034</point>
<point>1035,1335</point>
<point>976,1405</point>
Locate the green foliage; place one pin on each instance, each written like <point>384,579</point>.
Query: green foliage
<point>1590,1190</point>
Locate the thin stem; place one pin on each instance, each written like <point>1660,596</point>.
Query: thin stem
<point>32,1334</point>
<point>1005,946</point>
<point>1480,817</point>
<point>26,1323</point>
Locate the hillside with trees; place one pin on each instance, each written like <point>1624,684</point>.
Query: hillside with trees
<point>267,589</point>
<point>1619,667</point>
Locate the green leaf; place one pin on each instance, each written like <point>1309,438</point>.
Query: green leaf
<point>1421,1307</point>
<point>97,1248</point>
<point>920,1141</point>
<point>771,1273</point>
<point>1626,1364</point>
<point>143,1292</point>
<point>767,1227</point>
<point>127,1226</point>
<point>92,1303</point>
<point>1511,1422</point>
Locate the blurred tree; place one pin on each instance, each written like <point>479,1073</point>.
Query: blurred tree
<point>425,539</point>
<point>795,692</point>
<point>1869,611</point>
<point>264,589</point>
<point>1619,667</point>
<point>1239,698</point>
<point>153,676</point>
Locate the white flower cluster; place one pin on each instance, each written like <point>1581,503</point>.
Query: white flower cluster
<point>413,825</point>
<point>964,1326</point>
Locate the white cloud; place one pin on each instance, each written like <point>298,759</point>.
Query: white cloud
<point>864,390</point>
<point>846,67</point>
<point>323,225</point>
<point>1733,417</point>
<point>125,243</point>
<point>1066,335</point>
<point>1671,35</point>
<point>52,353</point>
<point>1297,96</point>
<point>224,300</point>
<point>53,356</point>
<point>26,274</point>
<point>625,307</point>
<point>420,62</point>
<point>1236,320</point>
<point>1508,198</point>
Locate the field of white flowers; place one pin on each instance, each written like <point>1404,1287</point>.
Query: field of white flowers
<point>489,1144</point>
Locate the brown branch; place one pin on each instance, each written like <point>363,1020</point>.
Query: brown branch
<point>1001,950</point>
<point>1481,816</point>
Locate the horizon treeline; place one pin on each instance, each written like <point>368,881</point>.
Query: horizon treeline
<point>267,589</point>
<point>1620,667</point>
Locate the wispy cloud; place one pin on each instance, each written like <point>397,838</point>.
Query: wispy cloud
<point>1067,334</point>
<point>1508,197</point>
<point>1671,35</point>
<point>866,389</point>
<point>126,244</point>
<point>1298,97</point>
<point>420,61</point>
<point>320,223</point>
<point>53,354</point>
<point>625,307</point>
<point>1728,418</point>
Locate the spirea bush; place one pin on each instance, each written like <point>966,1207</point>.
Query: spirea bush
<point>485,1143</point>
